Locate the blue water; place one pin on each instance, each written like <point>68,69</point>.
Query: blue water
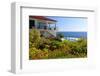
<point>73,34</point>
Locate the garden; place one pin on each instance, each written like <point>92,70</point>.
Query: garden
<point>54,48</point>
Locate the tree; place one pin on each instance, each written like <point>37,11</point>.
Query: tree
<point>60,35</point>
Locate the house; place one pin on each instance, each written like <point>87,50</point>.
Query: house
<point>46,26</point>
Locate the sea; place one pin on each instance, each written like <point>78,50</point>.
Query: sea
<point>73,35</point>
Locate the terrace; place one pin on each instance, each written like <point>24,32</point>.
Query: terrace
<point>43,24</point>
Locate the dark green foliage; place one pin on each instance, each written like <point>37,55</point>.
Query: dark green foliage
<point>47,48</point>
<point>60,35</point>
<point>79,47</point>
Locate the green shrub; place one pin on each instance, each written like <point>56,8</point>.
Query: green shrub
<point>79,47</point>
<point>38,54</point>
<point>44,43</point>
<point>44,48</point>
<point>34,37</point>
<point>60,35</point>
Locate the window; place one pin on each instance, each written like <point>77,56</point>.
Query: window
<point>31,23</point>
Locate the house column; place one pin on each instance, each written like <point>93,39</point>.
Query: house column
<point>46,25</point>
<point>55,26</point>
<point>49,26</point>
<point>35,24</point>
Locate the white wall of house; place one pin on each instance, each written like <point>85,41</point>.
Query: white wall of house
<point>41,23</point>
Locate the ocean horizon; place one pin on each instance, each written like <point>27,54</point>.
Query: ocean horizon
<point>73,34</point>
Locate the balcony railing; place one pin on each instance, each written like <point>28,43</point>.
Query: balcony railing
<point>47,28</point>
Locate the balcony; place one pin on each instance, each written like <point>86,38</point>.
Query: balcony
<point>47,28</point>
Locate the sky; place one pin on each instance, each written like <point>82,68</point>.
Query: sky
<point>77,24</point>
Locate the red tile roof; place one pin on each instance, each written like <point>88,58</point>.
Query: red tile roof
<point>42,18</point>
